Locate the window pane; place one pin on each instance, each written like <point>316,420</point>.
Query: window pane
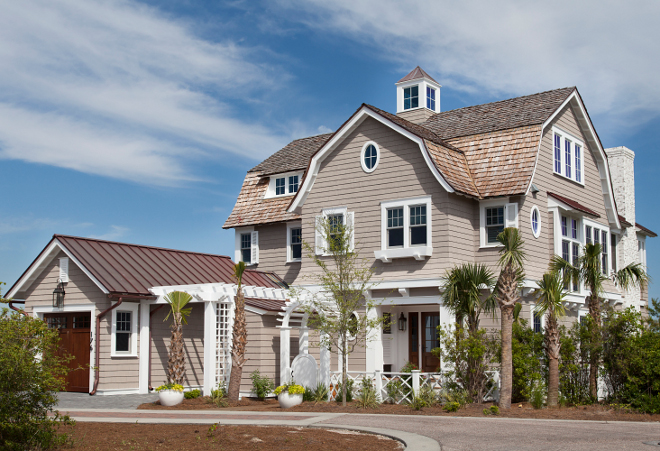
<point>568,158</point>
<point>370,156</point>
<point>246,256</point>
<point>395,217</point>
<point>578,163</point>
<point>574,229</point>
<point>417,235</point>
<point>122,342</point>
<point>280,186</point>
<point>535,221</point>
<point>246,247</point>
<point>588,233</point>
<point>537,322</point>
<point>430,98</point>
<point>565,251</point>
<point>605,254</point>
<point>336,223</point>
<point>293,184</point>
<point>494,223</point>
<point>493,232</point>
<point>123,321</point>
<point>418,215</point>
<point>564,226</point>
<point>558,154</point>
<point>576,253</point>
<point>296,243</point>
<point>395,237</point>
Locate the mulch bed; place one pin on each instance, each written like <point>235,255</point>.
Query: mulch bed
<point>597,412</point>
<point>191,437</point>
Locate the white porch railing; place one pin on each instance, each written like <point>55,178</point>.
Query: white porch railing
<point>399,387</point>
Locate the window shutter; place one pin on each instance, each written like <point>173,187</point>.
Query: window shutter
<point>64,270</point>
<point>350,226</point>
<point>255,248</point>
<point>511,219</point>
<point>318,236</point>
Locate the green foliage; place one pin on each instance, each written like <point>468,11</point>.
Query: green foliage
<point>396,390</point>
<point>367,398</point>
<point>417,402</point>
<point>537,396</point>
<point>170,386</point>
<point>492,410</point>
<point>451,407</point>
<point>408,367</point>
<point>462,397</point>
<point>349,391</point>
<point>192,394</point>
<point>291,388</point>
<point>177,301</point>
<point>463,292</point>
<point>574,363</point>
<point>529,360</point>
<point>218,396</point>
<point>470,356</point>
<point>320,393</point>
<point>428,395</point>
<point>30,375</point>
<point>261,385</point>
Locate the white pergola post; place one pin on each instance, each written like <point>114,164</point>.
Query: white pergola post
<point>285,354</point>
<point>209,346</point>
<point>303,340</point>
<point>324,370</point>
<point>374,346</point>
<point>145,343</point>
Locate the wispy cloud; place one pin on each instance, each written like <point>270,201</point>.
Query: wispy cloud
<point>608,49</point>
<point>25,224</point>
<point>116,88</point>
<point>115,233</point>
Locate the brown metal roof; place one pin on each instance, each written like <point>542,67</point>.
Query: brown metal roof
<point>271,305</point>
<point>132,269</point>
<point>646,231</point>
<point>505,114</point>
<point>573,204</point>
<point>623,222</point>
<point>416,73</point>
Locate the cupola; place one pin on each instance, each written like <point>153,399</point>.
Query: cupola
<point>417,96</point>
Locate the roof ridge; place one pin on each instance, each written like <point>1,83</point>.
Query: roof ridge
<point>58,235</point>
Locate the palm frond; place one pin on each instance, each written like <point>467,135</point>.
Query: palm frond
<point>511,252</point>
<point>550,295</point>
<point>239,269</point>
<point>178,301</point>
<point>631,276</point>
<point>463,290</point>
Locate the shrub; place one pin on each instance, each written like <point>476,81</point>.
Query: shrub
<point>261,385</point>
<point>30,375</point>
<point>462,397</point>
<point>349,391</point>
<point>171,386</point>
<point>218,395</point>
<point>320,393</point>
<point>451,407</point>
<point>291,388</point>
<point>367,399</point>
<point>192,394</point>
<point>529,360</point>
<point>537,396</point>
<point>395,390</point>
<point>574,365</point>
<point>428,395</point>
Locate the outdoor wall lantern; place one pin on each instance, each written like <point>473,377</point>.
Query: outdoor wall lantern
<point>58,295</point>
<point>402,322</point>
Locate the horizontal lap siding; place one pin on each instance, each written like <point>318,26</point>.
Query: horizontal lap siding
<point>401,173</point>
<point>273,252</point>
<point>193,345</point>
<point>115,372</point>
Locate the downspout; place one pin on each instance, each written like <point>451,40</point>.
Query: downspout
<point>151,313</point>
<point>16,309</point>
<point>98,350</point>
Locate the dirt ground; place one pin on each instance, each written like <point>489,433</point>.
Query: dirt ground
<point>521,410</point>
<point>190,437</point>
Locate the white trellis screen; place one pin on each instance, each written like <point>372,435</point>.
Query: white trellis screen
<point>222,343</point>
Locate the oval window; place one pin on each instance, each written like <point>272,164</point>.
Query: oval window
<point>536,221</point>
<point>370,157</point>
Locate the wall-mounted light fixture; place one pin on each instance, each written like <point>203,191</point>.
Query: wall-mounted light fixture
<point>402,322</point>
<point>58,295</point>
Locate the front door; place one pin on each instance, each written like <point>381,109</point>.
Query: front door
<point>75,336</point>
<point>422,339</point>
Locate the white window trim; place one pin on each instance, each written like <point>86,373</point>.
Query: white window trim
<point>558,212</point>
<point>423,83</point>
<point>349,219</point>
<point>532,310</point>
<point>573,140</point>
<point>364,149</point>
<point>418,252</point>
<point>510,209</point>
<point>601,228</point>
<point>289,253</point>
<point>133,346</point>
<point>531,221</point>
<point>238,256</point>
<point>641,250</point>
<point>270,192</point>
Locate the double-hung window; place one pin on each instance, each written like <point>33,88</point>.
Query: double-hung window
<point>123,340</point>
<point>494,223</point>
<point>568,158</point>
<point>294,242</point>
<point>247,246</point>
<point>293,184</point>
<point>406,229</point>
<point>430,98</point>
<point>570,243</point>
<point>340,222</point>
<point>411,97</point>
<point>495,216</point>
<point>597,235</point>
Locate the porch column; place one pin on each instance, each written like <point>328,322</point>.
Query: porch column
<point>145,344</point>
<point>285,354</point>
<point>374,345</point>
<point>303,340</point>
<point>324,370</point>
<point>209,346</point>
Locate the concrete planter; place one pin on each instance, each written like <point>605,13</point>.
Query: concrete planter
<point>170,397</point>
<point>286,400</point>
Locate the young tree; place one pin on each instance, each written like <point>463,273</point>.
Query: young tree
<point>508,294</point>
<point>176,362</point>
<point>587,270</point>
<point>238,337</point>
<point>344,279</point>
<point>550,294</point>
<point>462,295</point>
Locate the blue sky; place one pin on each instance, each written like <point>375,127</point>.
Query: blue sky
<point>136,121</point>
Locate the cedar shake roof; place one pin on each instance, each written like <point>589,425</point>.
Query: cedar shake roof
<point>573,204</point>
<point>292,157</point>
<point>502,162</point>
<point>534,109</point>
<point>251,208</point>
<point>646,231</point>
<point>132,269</point>
<point>416,73</point>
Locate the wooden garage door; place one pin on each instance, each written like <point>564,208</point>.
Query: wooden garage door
<point>74,340</point>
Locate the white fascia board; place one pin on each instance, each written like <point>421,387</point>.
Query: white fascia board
<point>46,256</point>
<point>357,119</point>
<point>594,143</point>
<point>258,311</point>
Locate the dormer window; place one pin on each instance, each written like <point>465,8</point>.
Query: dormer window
<point>430,98</point>
<point>568,158</point>
<point>411,97</point>
<point>283,185</point>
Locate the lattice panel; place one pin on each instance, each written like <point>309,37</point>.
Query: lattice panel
<point>222,343</point>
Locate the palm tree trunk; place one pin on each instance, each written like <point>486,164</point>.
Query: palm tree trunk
<point>552,345</point>
<point>594,352</point>
<point>506,372</point>
<point>239,340</point>
<point>176,363</point>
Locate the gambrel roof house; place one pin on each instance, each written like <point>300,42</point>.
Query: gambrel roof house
<point>422,189</point>
<point>425,190</point>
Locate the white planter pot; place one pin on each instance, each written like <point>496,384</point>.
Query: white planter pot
<point>286,400</point>
<point>170,397</point>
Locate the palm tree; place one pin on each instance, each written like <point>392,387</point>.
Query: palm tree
<point>239,337</point>
<point>550,294</point>
<point>588,270</point>
<point>462,294</point>
<point>176,362</point>
<point>508,293</point>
